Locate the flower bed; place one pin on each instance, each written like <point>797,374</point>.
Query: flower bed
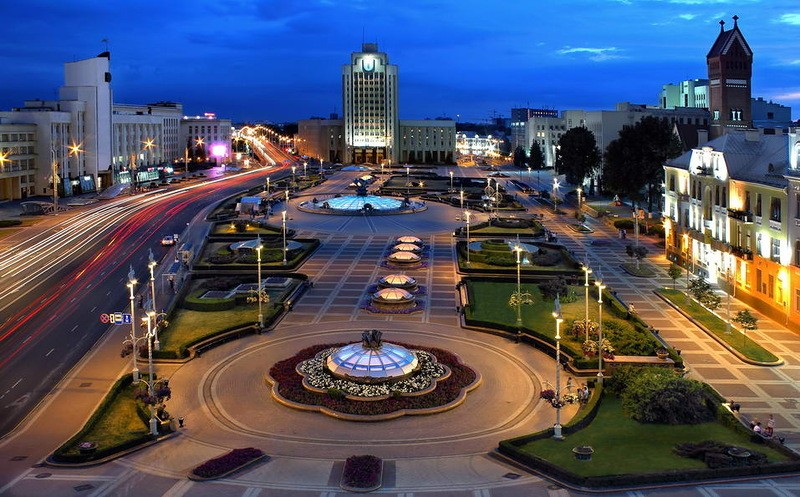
<point>316,377</point>
<point>362,473</point>
<point>227,464</point>
<point>288,386</point>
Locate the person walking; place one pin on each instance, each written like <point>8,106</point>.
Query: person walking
<point>770,429</point>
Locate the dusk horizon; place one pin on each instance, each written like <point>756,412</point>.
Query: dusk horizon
<point>250,61</point>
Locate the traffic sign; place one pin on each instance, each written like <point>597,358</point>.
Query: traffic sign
<point>104,318</point>
<point>126,318</point>
<point>117,318</point>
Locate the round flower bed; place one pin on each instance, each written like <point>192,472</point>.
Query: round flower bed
<point>288,388</point>
<point>318,379</point>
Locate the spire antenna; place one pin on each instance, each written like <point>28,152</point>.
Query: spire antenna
<point>735,19</point>
<point>721,26</point>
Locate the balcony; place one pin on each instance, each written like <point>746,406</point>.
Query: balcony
<point>758,219</point>
<point>708,223</point>
<point>743,216</point>
<point>742,253</point>
<point>774,225</point>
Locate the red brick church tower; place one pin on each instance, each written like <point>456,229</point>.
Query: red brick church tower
<point>730,68</point>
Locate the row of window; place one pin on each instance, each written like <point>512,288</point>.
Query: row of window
<point>17,137</point>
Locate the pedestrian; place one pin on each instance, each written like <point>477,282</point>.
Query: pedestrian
<point>172,285</point>
<point>180,422</point>
<point>757,428</point>
<point>141,302</point>
<point>620,234</point>
<point>770,426</point>
<point>569,384</point>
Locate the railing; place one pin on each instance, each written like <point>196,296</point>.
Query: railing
<point>775,225</point>
<point>743,216</point>
<point>742,253</point>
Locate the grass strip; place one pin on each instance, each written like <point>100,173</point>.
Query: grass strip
<point>716,325</point>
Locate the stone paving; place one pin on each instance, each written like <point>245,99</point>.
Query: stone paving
<point>226,404</point>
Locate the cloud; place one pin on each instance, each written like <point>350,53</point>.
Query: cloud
<point>793,95</point>
<point>793,19</point>
<point>597,54</point>
<point>687,17</point>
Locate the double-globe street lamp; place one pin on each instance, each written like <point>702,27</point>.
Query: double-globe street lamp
<point>132,339</point>
<point>466,217</point>
<point>557,399</point>
<point>586,272</point>
<point>600,287</point>
<point>151,264</point>
<point>283,230</point>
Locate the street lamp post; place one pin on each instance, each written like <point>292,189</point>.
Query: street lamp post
<point>294,168</point>
<point>586,272</point>
<point>466,216</point>
<point>636,224</point>
<point>267,187</point>
<point>461,198</point>
<point>559,319</point>
<point>151,264</point>
<point>555,195</point>
<point>131,286</point>
<point>55,180</point>
<point>259,247</point>
<point>451,180</point>
<point>529,174</point>
<point>305,165</point>
<point>149,317</point>
<point>408,180</point>
<point>518,251</point>
<point>283,229</point>
<point>579,191</point>
<point>600,287</point>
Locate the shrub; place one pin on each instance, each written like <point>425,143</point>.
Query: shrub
<point>362,471</point>
<point>629,339</point>
<point>240,226</point>
<point>717,454</point>
<point>500,259</point>
<point>657,230</point>
<point>554,287</point>
<point>659,395</point>
<point>220,283</point>
<point>5,223</point>
<point>623,224</point>
<point>228,462</point>
<point>546,257</point>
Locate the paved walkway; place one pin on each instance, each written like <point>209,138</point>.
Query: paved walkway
<point>226,404</point>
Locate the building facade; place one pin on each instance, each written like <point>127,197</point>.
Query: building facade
<point>369,101</point>
<point>688,93</point>
<point>144,137</point>
<point>17,161</point>
<point>206,135</point>
<point>519,125</point>
<point>370,132</point>
<point>469,143</point>
<point>732,215</point>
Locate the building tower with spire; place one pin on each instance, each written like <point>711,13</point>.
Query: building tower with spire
<point>730,68</point>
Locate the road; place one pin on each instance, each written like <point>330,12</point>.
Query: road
<point>56,282</point>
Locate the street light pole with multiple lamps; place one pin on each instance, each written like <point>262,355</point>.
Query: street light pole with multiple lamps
<point>559,319</point>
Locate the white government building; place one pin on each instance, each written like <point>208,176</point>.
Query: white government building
<point>88,141</point>
<point>371,131</point>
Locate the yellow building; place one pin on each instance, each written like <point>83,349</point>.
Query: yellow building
<point>732,210</point>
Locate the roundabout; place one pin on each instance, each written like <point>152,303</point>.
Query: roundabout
<point>238,409</point>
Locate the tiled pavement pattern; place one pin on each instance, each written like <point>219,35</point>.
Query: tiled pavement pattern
<point>345,265</point>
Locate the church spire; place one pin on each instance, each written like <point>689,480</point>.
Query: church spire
<point>735,19</point>
<point>721,26</point>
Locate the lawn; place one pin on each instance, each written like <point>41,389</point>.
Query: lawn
<point>624,446</point>
<point>118,424</point>
<point>564,265</point>
<point>187,326</point>
<point>737,340</point>
<point>230,228</point>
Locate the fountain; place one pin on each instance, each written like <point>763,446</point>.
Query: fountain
<point>372,360</point>
<point>362,203</point>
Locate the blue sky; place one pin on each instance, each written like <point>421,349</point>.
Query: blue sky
<point>281,60</point>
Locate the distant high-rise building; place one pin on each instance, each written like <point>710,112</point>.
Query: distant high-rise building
<point>519,124</point>
<point>369,101</point>
<point>688,93</point>
<point>730,69</point>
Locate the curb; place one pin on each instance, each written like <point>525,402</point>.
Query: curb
<point>53,464</point>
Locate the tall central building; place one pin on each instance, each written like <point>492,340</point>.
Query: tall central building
<point>369,101</point>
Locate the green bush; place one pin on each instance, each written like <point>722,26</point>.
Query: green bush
<point>623,224</point>
<point>554,287</point>
<point>5,223</point>
<point>628,339</point>
<point>660,395</point>
<point>657,230</point>
<point>495,245</point>
<point>546,257</point>
<point>220,283</point>
<point>500,259</point>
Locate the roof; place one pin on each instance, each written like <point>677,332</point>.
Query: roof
<point>762,161</point>
<point>725,40</point>
<point>687,134</point>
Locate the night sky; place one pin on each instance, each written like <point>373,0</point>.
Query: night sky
<point>281,60</point>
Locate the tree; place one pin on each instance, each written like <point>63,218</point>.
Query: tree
<point>634,161</point>
<point>746,320</point>
<point>519,157</point>
<point>578,156</point>
<point>702,291</point>
<point>638,253</point>
<point>674,272</point>
<point>536,157</point>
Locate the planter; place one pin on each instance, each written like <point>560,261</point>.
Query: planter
<point>362,474</point>
<point>662,354</point>
<point>87,448</point>
<point>583,452</point>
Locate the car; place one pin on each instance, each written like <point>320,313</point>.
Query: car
<point>168,241</point>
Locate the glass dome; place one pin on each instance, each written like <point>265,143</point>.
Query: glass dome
<point>409,239</point>
<point>403,256</point>
<point>356,203</point>
<point>392,295</point>
<point>398,280</point>
<point>408,247</point>
<point>357,362</point>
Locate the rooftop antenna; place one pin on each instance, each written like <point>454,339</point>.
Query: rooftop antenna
<point>105,40</point>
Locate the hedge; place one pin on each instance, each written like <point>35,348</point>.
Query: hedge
<point>5,223</point>
<point>195,303</point>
